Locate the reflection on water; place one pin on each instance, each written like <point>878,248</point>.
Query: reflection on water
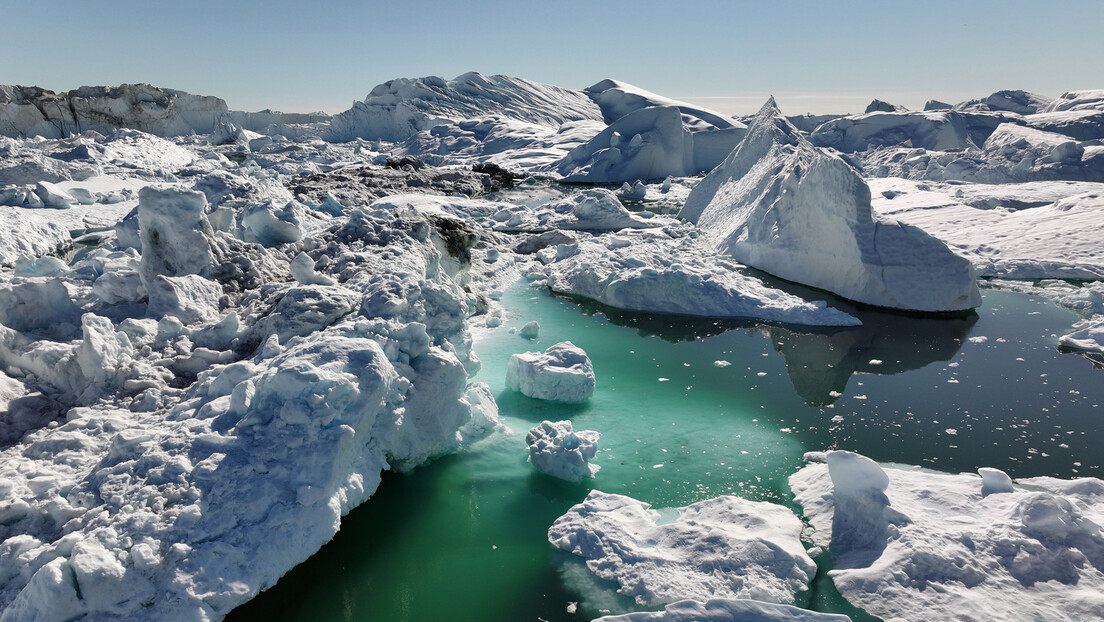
<point>820,360</point>
<point>820,364</point>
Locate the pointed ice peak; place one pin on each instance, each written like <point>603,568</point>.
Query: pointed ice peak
<point>769,116</point>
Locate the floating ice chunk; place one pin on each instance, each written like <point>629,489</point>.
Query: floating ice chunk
<point>781,205</point>
<point>721,363</point>
<point>562,373</point>
<point>531,330</point>
<point>726,610</point>
<point>302,270</point>
<point>994,481</point>
<point>484,411</point>
<point>559,451</point>
<point>726,547</point>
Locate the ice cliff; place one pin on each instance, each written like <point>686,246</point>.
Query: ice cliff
<point>780,204</point>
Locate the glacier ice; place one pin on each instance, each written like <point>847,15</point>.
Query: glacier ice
<point>779,204</point>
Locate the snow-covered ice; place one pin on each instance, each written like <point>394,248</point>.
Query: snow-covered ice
<point>725,547</point>
<point>559,450</point>
<point>726,610</point>
<point>912,544</point>
<point>562,373</point>
<point>780,204</point>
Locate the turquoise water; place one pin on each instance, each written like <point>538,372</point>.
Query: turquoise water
<point>464,538</point>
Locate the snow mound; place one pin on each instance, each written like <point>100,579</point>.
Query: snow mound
<point>655,273</point>
<point>595,209</point>
<point>781,205</point>
<point>726,547</point>
<point>31,111</point>
<point>726,610</point>
<point>562,373</point>
<point>911,544</point>
<point>648,143</point>
<point>558,450</point>
<point>400,108</point>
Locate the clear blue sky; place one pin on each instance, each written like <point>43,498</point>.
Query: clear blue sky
<point>814,56</point>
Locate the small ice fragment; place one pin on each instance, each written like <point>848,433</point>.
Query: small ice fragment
<point>979,339</point>
<point>875,361</point>
<point>531,330</point>
<point>721,363</point>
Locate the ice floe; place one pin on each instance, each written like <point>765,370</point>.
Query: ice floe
<point>725,547</point>
<point>912,544</point>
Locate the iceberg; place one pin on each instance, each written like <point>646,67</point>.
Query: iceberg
<point>648,143</point>
<point>781,205</point>
<point>912,544</point>
<point>725,547</point>
<point>562,373</point>
<point>400,108</point>
<point>560,451</point>
<point>656,272</point>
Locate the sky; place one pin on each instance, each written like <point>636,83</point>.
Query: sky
<point>814,56</point>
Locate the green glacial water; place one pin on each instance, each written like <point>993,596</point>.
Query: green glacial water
<point>464,538</point>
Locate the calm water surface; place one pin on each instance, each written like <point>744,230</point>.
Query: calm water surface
<point>689,410</point>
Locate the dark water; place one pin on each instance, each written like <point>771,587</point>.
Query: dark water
<point>464,538</point>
